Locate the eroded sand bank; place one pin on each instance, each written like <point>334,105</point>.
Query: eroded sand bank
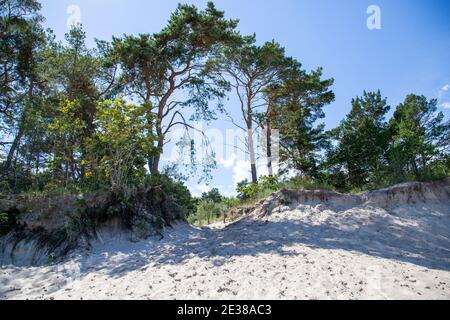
<point>312,250</point>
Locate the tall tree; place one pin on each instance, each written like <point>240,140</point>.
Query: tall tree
<point>249,70</point>
<point>362,140</point>
<point>119,145</point>
<point>294,107</point>
<point>77,74</point>
<point>213,195</point>
<point>420,135</point>
<point>156,68</point>
<point>21,39</point>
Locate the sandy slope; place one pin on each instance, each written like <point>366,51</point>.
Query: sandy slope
<point>305,251</point>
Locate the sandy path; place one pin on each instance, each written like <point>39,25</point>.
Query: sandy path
<point>311,252</point>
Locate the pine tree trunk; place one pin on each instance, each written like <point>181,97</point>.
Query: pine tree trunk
<point>269,150</point>
<point>16,143</point>
<point>157,158</point>
<point>269,140</point>
<point>251,149</point>
<point>14,146</point>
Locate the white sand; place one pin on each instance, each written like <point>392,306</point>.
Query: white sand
<point>302,252</point>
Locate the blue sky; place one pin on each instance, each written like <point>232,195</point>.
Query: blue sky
<point>409,54</point>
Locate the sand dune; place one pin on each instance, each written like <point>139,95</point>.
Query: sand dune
<point>308,249</point>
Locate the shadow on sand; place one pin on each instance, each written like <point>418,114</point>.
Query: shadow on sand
<point>409,243</point>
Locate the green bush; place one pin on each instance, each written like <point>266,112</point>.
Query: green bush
<point>4,187</point>
<point>306,183</point>
<point>16,180</point>
<point>261,189</point>
<point>213,195</point>
<point>175,189</point>
<point>267,185</point>
<point>208,212</point>
<point>5,223</point>
<point>231,202</point>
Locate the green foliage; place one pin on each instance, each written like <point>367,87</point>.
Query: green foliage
<point>3,218</point>
<point>213,207</point>
<point>66,131</point>
<point>247,190</point>
<point>18,178</point>
<point>420,138</point>
<point>22,36</point>
<point>6,223</point>
<point>249,69</point>
<point>231,202</point>
<point>260,189</point>
<point>371,153</point>
<point>362,140</point>
<point>213,195</point>
<point>156,67</point>
<point>4,187</point>
<point>306,183</point>
<point>175,189</point>
<point>208,212</point>
<point>250,192</point>
<point>119,146</point>
<point>67,124</point>
<point>295,107</point>
<point>58,110</point>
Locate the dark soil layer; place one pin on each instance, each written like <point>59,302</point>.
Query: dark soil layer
<point>51,227</point>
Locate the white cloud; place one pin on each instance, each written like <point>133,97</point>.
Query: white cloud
<point>227,191</point>
<point>445,105</point>
<point>444,96</point>
<point>229,162</point>
<point>241,171</point>
<point>199,189</point>
<point>443,92</point>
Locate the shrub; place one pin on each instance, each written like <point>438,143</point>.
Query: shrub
<point>175,189</point>
<point>209,211</point>
<point>307,183</point>
<point>213,195</point>
<point>263,188</point>
<point>6,223</point>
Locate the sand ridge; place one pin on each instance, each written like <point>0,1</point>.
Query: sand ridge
<point>300,251</point>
